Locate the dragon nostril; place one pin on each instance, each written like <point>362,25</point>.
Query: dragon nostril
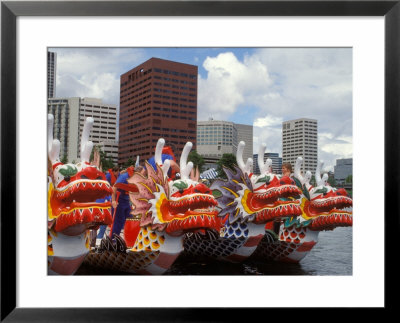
<point>99,177</point>
<point>67,178</point>
<point>84,177</point>
<point>181,191</point>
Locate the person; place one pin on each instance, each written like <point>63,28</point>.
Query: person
<point>167,153</point>
<point>111,177</point>
<point>120,201</point>
<point>287,169</point>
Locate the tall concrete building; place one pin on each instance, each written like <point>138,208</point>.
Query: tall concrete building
<point>215,138</point>
<point>158,99</point>
<point>51,74</point>
<point>276,163</point>
<point>69,116</point>
<point>300,139</point>
<point>104,132</point>
<point>342,169</point>
<point>66,125</point>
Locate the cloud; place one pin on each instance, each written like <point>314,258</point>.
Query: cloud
<point>230,84</point>
<point>94,72</point>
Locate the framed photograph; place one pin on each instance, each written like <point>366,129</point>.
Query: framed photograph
<point>369,28</point>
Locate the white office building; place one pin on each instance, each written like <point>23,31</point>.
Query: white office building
<point>215,138</point>
<point>343,169</point>
<point>69,116</point>
<point>300,139</point>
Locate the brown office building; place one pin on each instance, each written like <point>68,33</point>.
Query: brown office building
<point>158,99</point>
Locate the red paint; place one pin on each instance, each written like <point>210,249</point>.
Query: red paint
<point>306,246</point>
<point>253,241</point>
<point>165,260</point>
<point>64,266</point>
<point>131,231</point>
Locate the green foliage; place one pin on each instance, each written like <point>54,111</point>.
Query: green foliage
<point>197,160</point>
<point>227,160</point>
<point>105,162</point>
<point>331,181</point>
<point>129,162</point>
<point>349,179</point>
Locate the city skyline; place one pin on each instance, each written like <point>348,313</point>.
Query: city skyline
<point>257,86</point>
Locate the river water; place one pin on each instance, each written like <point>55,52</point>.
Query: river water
<point>331,256</point>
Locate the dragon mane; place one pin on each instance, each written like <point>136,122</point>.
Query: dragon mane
<point>230,191</point>
<point>148,186</point>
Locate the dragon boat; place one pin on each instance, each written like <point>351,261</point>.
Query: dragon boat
<point>323,207</point>
<point>72,188</point>
<point>247,203</point>
<point>166,210</point>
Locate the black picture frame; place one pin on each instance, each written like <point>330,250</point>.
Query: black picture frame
<point>10,10</point>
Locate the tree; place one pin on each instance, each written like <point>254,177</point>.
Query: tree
<point>105,162</point>
<point>349,179</point>
<point>331,181</point>
<point>227,160</point>
<point>64,160</point>
<point>197,160</point>
<point>129,162</point>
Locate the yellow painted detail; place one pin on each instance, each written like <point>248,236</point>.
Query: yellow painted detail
<point>158,207</point>
<point>303,213</point>
<point>49,210</point>
<point>229,190</point>
<point>148,188</point>
<point>50,251</point>
<point>244,202</point>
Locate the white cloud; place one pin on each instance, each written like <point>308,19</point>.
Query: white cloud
<point>229,84</point>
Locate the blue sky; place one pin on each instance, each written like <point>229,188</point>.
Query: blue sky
<point>257,86</point>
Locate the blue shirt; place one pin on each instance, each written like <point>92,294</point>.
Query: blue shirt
<point>124,195</point>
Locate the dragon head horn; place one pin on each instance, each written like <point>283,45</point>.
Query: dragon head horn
<point>297,172</point>
<point>86,144</point>
<point>307,178</point>
<point>158,156</point>
<point>264,167</point>
<point>137,161</point>
<point>246,168</point>
<point>53,145</point>
<point>318,174</point>
<point>186,167</point>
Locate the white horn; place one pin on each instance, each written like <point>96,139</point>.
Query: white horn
<point>158,152</point>
<point>261,165</point>
<point>318,173</point>
<point>239,158</point>
<point>137,161</point>
<point>297,172</point>
<point>86,145</point>
<point>307,178</point>
<point>185,168</point>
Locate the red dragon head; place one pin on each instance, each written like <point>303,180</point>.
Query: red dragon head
<point>323,207</point>
<point>256,199</point>
<point>175,206</point>
<point>74,188</point>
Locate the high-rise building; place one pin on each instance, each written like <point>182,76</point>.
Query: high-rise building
<point>158,99</point>
<point>343,169</point>
<point>51,74</point>
<point>104,132</point>
<point>215,138</point>
<point>69,116</point>
<point>300,139</point>
<point>66,125</point>
<point>276,163</point>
